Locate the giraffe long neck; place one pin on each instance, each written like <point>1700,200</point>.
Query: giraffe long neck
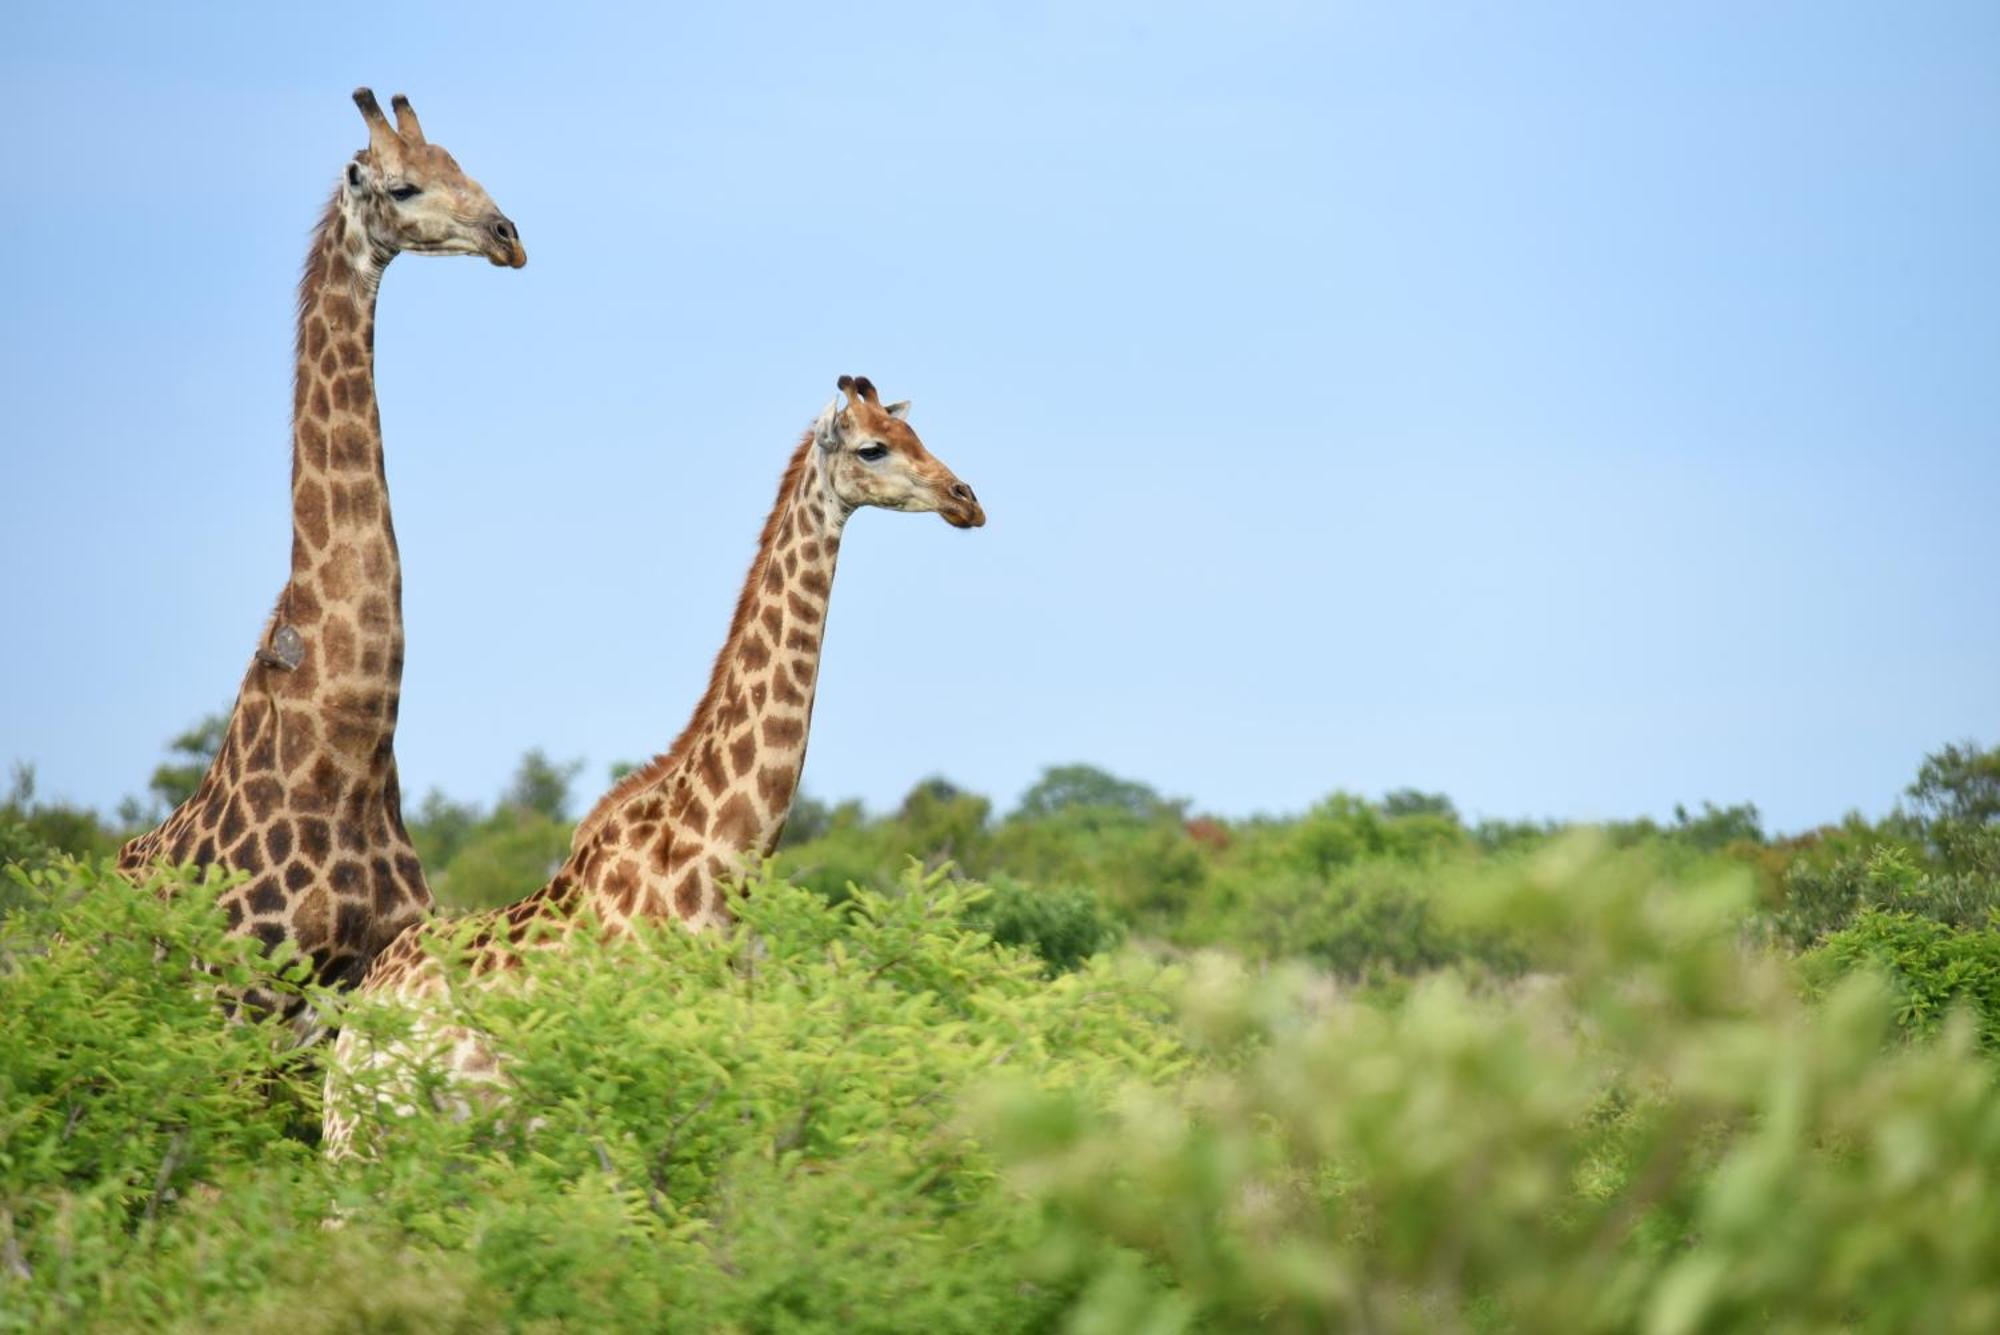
<point>345,597</point>
<point>753,723</point>
<point>726,785</point>
<point>302,796</point>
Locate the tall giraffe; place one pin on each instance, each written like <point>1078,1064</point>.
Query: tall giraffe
<point>302,794</point>
<point>659,844</point>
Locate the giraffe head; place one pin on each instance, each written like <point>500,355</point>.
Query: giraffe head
<point>412,196</point>
<point>873,458</point>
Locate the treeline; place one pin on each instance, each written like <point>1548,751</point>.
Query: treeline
<point>1087,859</point>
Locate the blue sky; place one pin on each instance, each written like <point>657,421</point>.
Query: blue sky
<point>1574,408</point>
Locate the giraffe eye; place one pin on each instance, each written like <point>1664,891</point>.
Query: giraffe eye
<point>872,452</point>
<point>399,193</point>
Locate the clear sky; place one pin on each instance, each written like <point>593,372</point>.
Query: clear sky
<point>1573,408</point>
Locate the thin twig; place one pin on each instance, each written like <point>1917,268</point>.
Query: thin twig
<point>656,1180</point>
<point>167,1166</point>
<point>10,1248</point>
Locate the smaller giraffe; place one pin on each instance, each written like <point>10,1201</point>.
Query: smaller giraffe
<point>302,795</point>
<point>663,841</point>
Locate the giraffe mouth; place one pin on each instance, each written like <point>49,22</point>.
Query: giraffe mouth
<point>503,243</point>
<point>964,516</point>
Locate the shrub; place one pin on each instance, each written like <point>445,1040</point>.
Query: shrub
<point>849,855</point>
<point>1364,921</point>
<point>756,1129</point>
<point>35,832</point>
<point>1345,829</point>
<point>1820,899</point>
<point>1931,966</point>
<point>1957,796</point>
<point>1661,1138</point>
<point>1148,872</point>
<point>506,858</point>
<point>1062,926</point>
<point>120,1086</point>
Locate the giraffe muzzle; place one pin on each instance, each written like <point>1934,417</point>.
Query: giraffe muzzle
<point>504,246</point>
<point>961,509</point>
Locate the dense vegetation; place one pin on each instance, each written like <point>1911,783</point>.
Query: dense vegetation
<point>1101,1065</point>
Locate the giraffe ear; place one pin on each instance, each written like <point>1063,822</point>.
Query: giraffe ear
<point>826,427</point>
<point>899,410</point>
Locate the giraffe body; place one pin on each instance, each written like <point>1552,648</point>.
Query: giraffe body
<point>302,795</point>
<point>665,840</point>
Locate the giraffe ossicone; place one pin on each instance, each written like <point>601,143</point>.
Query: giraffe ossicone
<point>302,796</point>
<point>667,838</point>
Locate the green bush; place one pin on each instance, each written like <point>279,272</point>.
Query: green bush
<point>35,833</point>
<point>1957,796</point>
<point>1660,1137</point>
<point>1345,829</point>
<point>751,1130</point>
<point>1148,871</point>
<point>1063,926</point>
<point>760,1125</point>
<point>507,857</point>
<point>848,855</point>
<point>1820,899</point>
<point>1366,920</point>
<point>1931,966</point>
<point>120,1087</point>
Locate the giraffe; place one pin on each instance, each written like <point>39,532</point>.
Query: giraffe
<point>662,842</point>
<point>302,795</point>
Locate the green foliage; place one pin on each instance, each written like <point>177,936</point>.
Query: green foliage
<point>541,786</point>
<point>1821,899</point>
<point>1931,965</point>
<point>1370,920</point>
<point>810,818</point>
<point>120,1089</point>
<point>1149,873</point>
<point>1405,1075</point>
<point>1957,794</point>
<point>1414,802</point>
<point>188,757</point>
<point>506,857</point>
<point>440,827</point>
<point>1061,926</point>
<point>1344,829</point>
<point>864,1116</point>
<point>476,859</point>
<point>1085,788</point>
<point>757,1129</point>
<point>30,830</point>
<point>1512,836</point>
<point>946,822</point>
<point>1656,1134</point>
<point>751,1130</point>
<point>1716,828</point>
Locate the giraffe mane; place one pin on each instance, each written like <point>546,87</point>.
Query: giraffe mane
<point>309,282</point>
<point>645,776</point>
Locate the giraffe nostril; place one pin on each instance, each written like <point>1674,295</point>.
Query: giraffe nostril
<point>504,230</point>
<point>962,492</point>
